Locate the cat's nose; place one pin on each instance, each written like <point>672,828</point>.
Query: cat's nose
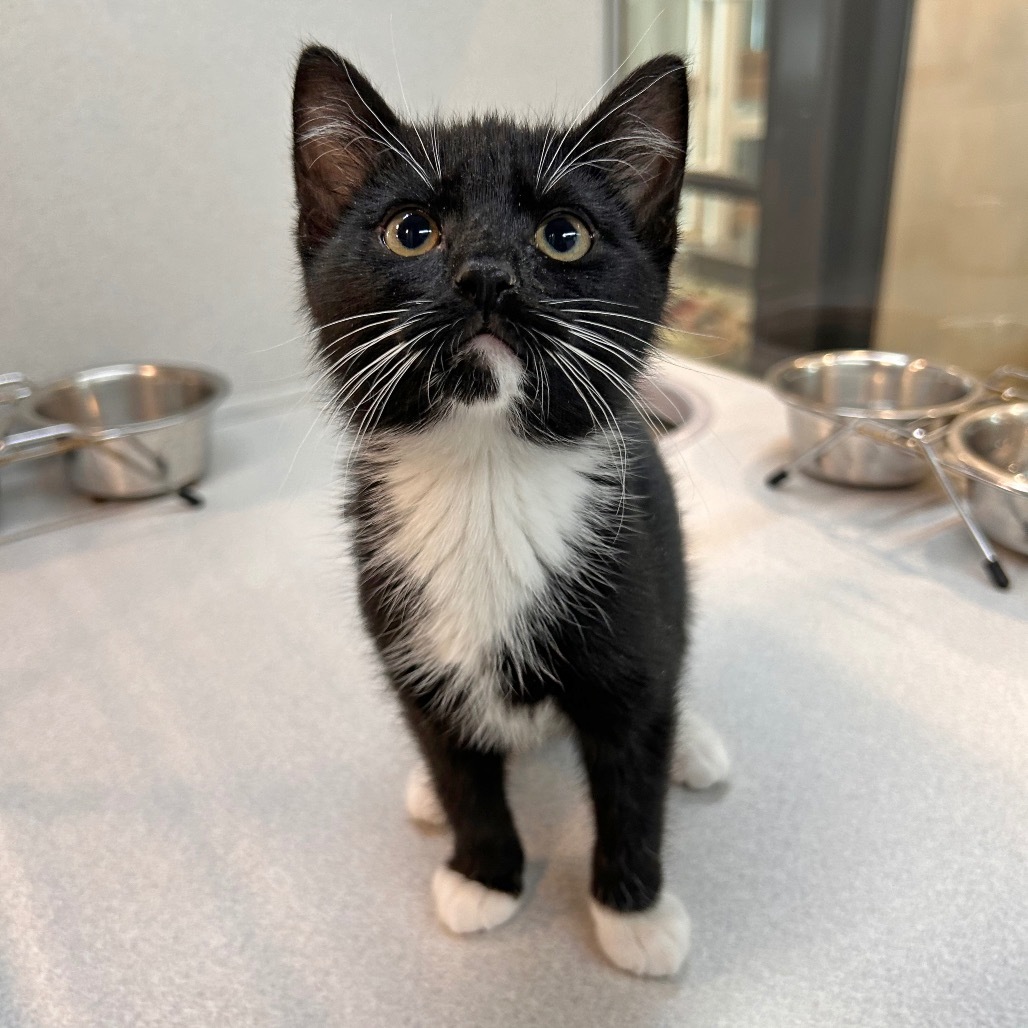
<point>484,280</point>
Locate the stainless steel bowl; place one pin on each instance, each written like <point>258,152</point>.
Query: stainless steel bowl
<point>991,445</point>
<point>130,430</point>
<point>822,388</point>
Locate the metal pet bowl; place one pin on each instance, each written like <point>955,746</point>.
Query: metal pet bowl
<point>130,430</point>
<point>821,390</point>
<point>991,446</point>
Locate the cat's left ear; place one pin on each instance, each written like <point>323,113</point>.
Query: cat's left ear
<point>638,135</point>
<point>341,127</point>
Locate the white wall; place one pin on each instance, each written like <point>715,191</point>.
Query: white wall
<point>145,184</point>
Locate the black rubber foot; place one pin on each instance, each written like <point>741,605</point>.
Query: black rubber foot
<point>193,499</point>
<point>777,478</point>
<point>998,575</point>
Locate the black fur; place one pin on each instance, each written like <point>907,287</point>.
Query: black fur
<point>611,659</point>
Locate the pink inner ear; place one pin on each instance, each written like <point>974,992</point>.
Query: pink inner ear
<point>340,128</point>
<point>332,149</point>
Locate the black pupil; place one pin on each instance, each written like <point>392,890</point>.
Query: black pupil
<point>561,234</point>
<point>413,231</point>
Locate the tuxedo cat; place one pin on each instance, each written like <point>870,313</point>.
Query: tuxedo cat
<point>485,293</point>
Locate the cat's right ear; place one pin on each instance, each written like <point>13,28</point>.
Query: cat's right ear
<point>340,128</point>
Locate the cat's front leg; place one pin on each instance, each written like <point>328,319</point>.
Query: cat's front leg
<point>640,927</point>
<point>480,886</point>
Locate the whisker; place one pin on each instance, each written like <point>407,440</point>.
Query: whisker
<point>354,352</point>
<point>351,385</point>
<point>568,158</point>
<point>586,299</point>
<point>602,87</point>
<point>377,409</point>
<point>571,373</point>
<point>634,362</point>
<point>379,377</point>
<point>626,389</point>
<point>348,390</point>
<point>403,95</point>
<point>645,321</point>
<point>330,403</point>
<point>307,332</point>
<point>666,354</point>
<point>642,138</point>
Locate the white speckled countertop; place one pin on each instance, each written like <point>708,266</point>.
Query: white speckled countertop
<point>201,775</point>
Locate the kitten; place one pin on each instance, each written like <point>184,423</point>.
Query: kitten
<point>485,294</point>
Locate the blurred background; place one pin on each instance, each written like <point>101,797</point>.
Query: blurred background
<point>145,167</point>
<point>856,177</point>
<point>856,172</point>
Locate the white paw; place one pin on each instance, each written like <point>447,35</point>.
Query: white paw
<point>651,942</point>
<point>421,799</point>
<point>700,759</point>
<point>464,905</point>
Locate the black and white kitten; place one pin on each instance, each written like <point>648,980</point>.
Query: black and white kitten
<point>485,294</point>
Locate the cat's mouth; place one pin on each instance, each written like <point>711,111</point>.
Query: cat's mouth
<point>496,370</point>
<point>491,347</point>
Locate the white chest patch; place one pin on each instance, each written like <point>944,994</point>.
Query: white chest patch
<point>478,518</point>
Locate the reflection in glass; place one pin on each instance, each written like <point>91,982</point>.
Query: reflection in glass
<point>710,314</point>
<point>724,42</point>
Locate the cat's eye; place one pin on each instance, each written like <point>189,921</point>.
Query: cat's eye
<point>411,233</point>
<point>563,237</point>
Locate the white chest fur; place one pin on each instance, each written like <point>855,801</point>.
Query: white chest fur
<point>479,518</point>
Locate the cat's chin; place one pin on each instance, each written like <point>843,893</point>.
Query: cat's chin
<point>491,347</point>
<point>502,366</point>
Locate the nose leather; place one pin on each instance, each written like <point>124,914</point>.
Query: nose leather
<point>484,280</point>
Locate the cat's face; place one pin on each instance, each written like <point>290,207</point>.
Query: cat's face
<point>484,263</point>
